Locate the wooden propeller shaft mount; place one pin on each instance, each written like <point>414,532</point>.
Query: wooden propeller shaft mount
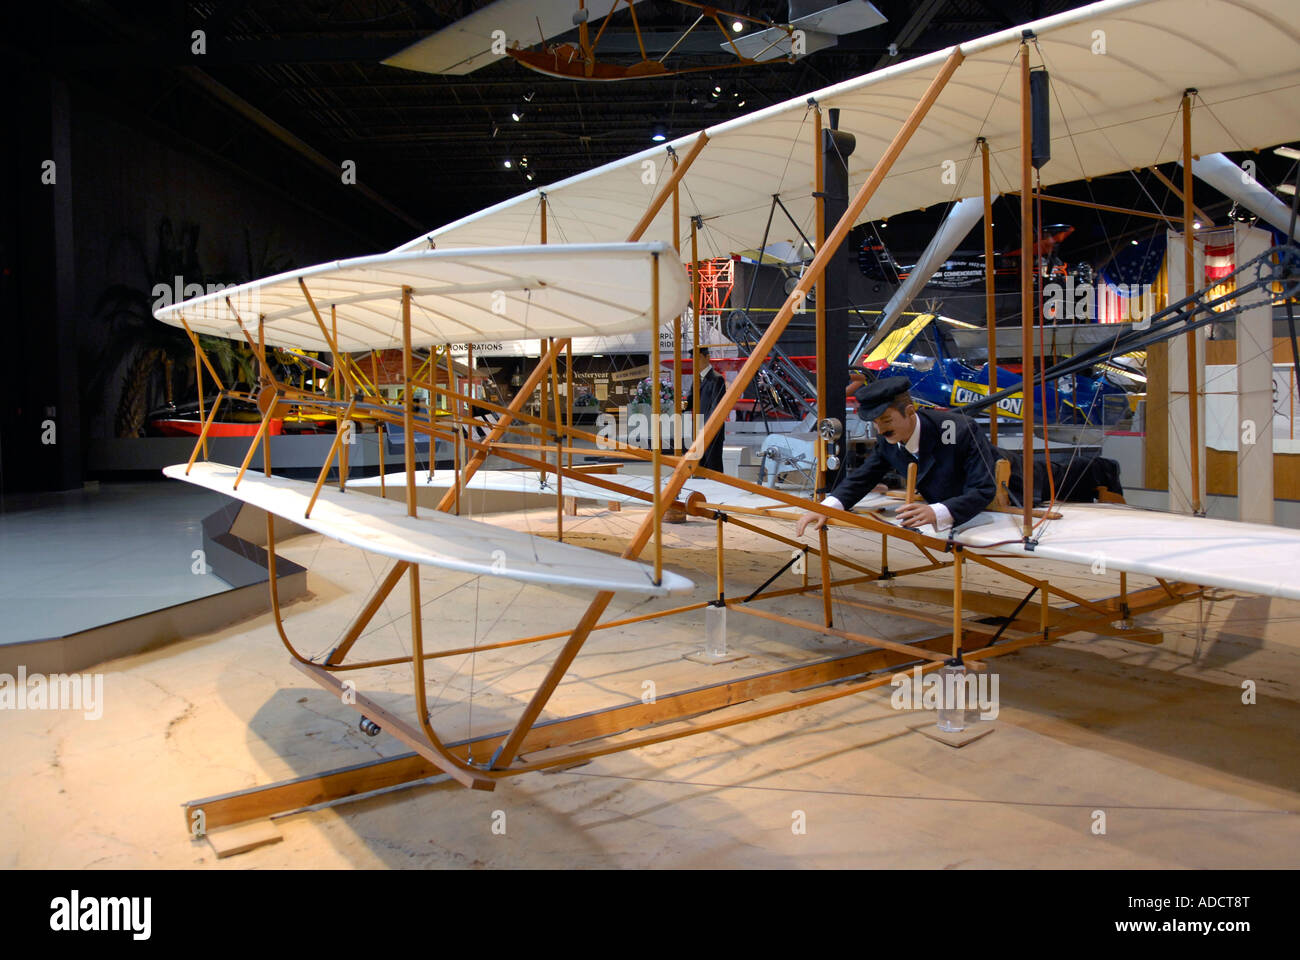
<point>266,396</point>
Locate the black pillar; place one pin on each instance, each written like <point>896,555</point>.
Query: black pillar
<point>39,389</point>
<point>837,146</point>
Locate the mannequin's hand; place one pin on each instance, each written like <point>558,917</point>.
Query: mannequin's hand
<point>816,520</point>
<point>915,515</point>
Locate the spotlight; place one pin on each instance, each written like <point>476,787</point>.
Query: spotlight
<point>1134,242</point>
<point>528,97</point>
<point>659,134</point>
<point>737,26</point>
<point>741,104</point>
<point>517,114</point>
<point>1196,224</point>
<point>523,161</point>
<point>495,129</point>
<point>508,164</point>
<point>528,177</point>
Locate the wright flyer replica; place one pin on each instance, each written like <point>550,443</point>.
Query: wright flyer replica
<point>933,130</point>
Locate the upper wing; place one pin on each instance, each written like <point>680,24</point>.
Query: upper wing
<point>1118,69</point>
<point>509,293</point>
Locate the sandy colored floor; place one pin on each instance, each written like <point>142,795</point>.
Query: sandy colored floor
<point>1157,738</point>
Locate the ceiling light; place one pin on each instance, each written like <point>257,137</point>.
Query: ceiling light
<point>517,115</point>
<point>508,164</point>
<point>1287,188</point>
<point>659,134</point>
<point>523,161</point>
<point>737,26</point>
<point>1291,153</point>
<point>528,177</point>
<point>1134,242</point>
<point>1196,224</point>
<point>741,104</point>
<point>528,97</point>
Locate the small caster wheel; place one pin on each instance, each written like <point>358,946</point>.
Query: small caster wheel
<point>369,727</point>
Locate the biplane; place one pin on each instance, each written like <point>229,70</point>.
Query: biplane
<point>510,27</point>
<point>1126,72</point>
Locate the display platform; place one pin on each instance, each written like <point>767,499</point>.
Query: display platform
<point>114,568</point>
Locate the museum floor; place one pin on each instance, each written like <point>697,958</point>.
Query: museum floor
<point>1157,738</point>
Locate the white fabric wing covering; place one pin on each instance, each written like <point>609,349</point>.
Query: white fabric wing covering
<point>459,296</point>
<point>1118,71</point>
<point>433,538</point>
<point>1252,557</point>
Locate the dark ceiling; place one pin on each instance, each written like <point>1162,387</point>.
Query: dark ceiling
<point>288,89</point>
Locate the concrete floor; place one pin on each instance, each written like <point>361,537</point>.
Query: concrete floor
<point>1157,738</point>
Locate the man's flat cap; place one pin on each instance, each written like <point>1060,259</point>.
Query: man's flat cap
<point>875,397</point>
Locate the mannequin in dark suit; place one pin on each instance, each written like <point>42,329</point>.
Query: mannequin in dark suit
<point>712,387</point>
<point>955,461</point>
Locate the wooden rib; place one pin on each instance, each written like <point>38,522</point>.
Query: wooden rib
<point>506,753</point>
<point>203,434</point>
<point>843,634</point>
<point>666,191</point>
<point>329,462</point>
<point>372,606</point>
<point>340,372</point>
<point>1003,569</point>
<point>1205,218</point>
<point>252,447</point>
<point>801,546</point>
<point>824,553</point>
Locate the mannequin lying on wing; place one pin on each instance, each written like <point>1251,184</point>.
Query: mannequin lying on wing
<point>955,464</point>
<point>954,460</point>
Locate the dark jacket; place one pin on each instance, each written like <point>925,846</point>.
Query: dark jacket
<point>958,474</point>
<point>712,388</point>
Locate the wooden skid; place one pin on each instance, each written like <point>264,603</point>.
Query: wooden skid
<point>399,728</point>
<point>358,779</point>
